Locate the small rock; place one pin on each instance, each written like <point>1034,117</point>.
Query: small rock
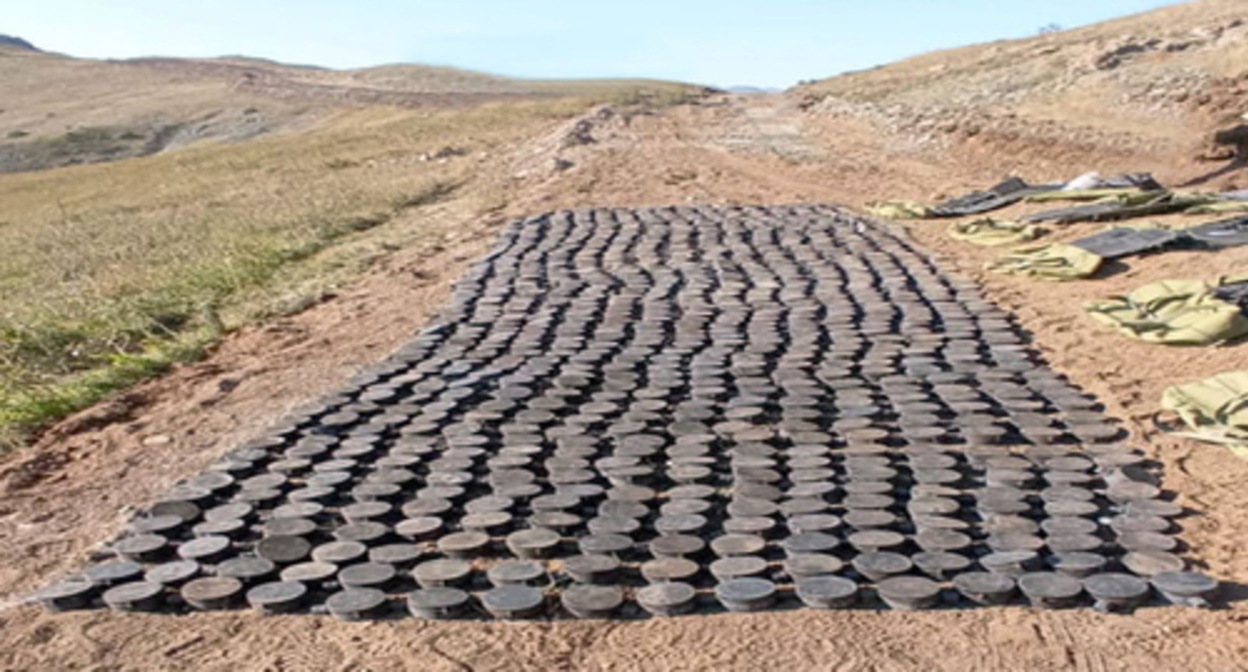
<point>449,151</point>
<point>157,440</point>
<point>580,134</point>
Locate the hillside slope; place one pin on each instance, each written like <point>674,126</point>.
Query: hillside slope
<point>14,42</point>
<point>61,111</point>
<point>120,255</point>
<point>1153,84</point>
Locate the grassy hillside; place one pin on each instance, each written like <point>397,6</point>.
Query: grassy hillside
<point>110,272</point>
<point>59,111</point>
<point>1168,75</point>
<point>219,192</point>
<point>1183,32</point>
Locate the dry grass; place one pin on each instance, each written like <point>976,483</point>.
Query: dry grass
<point>1028,67</point>
<point>432,79</point>
<point>111,272</point>
<point>288,182</point>
<point>47,96</point>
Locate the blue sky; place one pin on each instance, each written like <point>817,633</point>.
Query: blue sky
<point>726,42</point>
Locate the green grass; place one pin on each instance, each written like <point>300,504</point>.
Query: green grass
<point>83,145</point>
<point>112,273</point>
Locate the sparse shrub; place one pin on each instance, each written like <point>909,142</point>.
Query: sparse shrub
<point>341,164</point>
<point>428,194</point>
<point>106,284</point>
<point>88,136</point>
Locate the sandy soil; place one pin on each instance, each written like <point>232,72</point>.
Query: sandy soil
<point>70,493</point>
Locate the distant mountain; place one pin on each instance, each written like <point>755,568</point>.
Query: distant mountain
<point>751,90</point>
<point>15,42</point>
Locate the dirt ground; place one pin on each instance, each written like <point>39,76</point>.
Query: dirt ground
<point>72,491</point>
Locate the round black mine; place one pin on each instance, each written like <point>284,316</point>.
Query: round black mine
<point>428,506</point>
<point>135,596</point>
<point>340,552</point>
<point>1078,564</point>
<point>280,597</point>
<point>367,532</point>
<point>421,528</point>
<point>314,574</point>
<point>814,522</point>
<point>591,569</point>
<point>680,524</point>
<point>299,510</point>
<point>213,593</point>
<point>112,573</point>
<point>935,540</point>
<point>231,528</point>
<point>941,565</point>
<point>186,511</point>
<point>676,546</point>
<point>880,565</point>
<point>289,527</point>
<point>517,571</point>
<point>357,604</point>
<point>442,573</point>
<point>803,565</point>
<point>667,599</point>
<point>746,594</point>
<point>1049,590</point>
<point>826,592</point>
<point>1154,507</point>
<point>174,573</point>
<point>206,550</point>
<point>662,570</point>
<point>284,550</point>
<point>437,603</point>
<point>613,525</point>
<point>1127,492</point>
<point>908,592</point>
<point>738,567</point>
<point>464,545</point>
<point>1116,592</point>
<point>1146,541</point>
<point>869,541</point>
<point>514,601</point>
<point>533,544</point>
<point>730,545</point>
<point>367,575</point>
<point>142,547</point>
<point>491,522</point>
<point>1011,563</point>
<point>1186,588</point>
<point>169,524</point>
<point>863,520</point>
<point>604,544</point>
<point>401,555</point>
<point>248,569</point>
<point>560,522</point>
<point>67,595</point>
<point>1152,563</point>
<point>591,601</point>
<point>985,588</point>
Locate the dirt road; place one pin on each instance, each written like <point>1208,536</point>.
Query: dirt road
<point>72,491</point>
